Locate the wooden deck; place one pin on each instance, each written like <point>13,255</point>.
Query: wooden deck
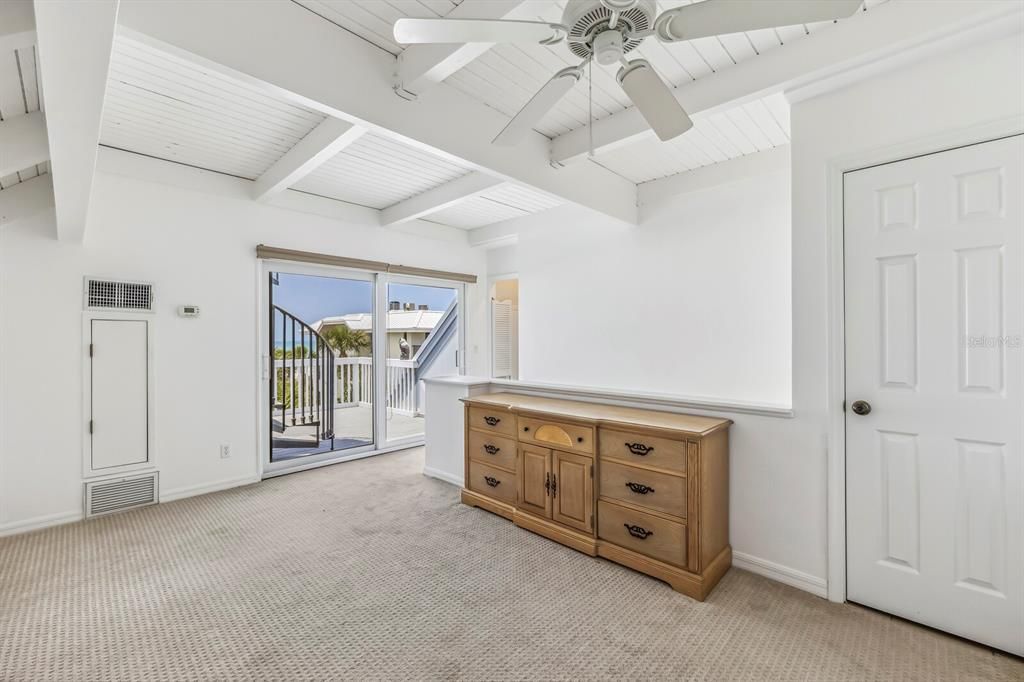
<point>353,427</point>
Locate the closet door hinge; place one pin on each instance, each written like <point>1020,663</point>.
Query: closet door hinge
<point>90,426</point>
<point>90,350</point>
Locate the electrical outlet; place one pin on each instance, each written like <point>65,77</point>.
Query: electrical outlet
<point>225,451</point>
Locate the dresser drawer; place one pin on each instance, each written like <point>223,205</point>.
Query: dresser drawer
<point>492,450</point>
<point>557,435</point>
<point>643,449</point>
<point>662,492</point>
<point>654,536</point>
<point>493,482</point>
<point>498,420</point>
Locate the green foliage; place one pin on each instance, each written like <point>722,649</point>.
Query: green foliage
<point>345,340</point>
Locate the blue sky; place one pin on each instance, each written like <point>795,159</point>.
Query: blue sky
<point>313,298</point>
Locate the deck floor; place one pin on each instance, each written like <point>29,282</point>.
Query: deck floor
<point>353,427</point>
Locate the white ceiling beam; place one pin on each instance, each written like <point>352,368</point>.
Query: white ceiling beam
<point>23,141</point>
<point>75,42</point>
<point>17,25</point>
<point>319,145</point>
<point>439,198</point>
<point>293,53</point>
<point>864,38</point>
<point>422,66</point>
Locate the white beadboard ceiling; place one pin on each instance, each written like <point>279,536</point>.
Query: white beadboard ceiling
<point>504,202</point>
<point>377,171</point>
<point>167,107</point>
<point>164,106</point>
<point>20,95</point>
<point>506,76</point>
<point>757,126</point>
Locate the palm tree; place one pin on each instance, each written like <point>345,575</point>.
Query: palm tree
<point>344,340</point>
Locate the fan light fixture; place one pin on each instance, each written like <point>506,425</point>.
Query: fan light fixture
<point>606,31</point>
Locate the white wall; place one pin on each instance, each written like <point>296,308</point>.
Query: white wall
<point>721,260</point>
<point>196,247</point>
<point>695,301</point>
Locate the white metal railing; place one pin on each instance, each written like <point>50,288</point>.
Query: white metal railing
<point>353,383</point>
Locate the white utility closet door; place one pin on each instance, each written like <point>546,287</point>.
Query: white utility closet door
<point>119,393</point>
<point>935,496</point>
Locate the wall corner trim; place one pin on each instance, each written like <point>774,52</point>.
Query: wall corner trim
<point>779,573</point>
<point>431,472</point>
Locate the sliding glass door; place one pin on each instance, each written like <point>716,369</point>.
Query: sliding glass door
<point>327,396</point>
<point>320,364</point>
<point>423,340</point>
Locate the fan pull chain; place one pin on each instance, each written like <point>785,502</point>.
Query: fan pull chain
<point>590,106</point>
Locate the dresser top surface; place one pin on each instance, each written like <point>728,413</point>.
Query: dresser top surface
<point>612,414</point>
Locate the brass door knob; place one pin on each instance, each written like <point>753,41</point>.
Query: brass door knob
<point>861,407</point>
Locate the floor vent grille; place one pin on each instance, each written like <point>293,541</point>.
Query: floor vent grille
<point>118,494</point>
<point>118,295</point>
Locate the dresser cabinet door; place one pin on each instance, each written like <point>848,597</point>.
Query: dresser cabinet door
<point>573,490</point>
<point>535,480</point>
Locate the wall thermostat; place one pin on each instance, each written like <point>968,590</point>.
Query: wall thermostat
<point>188,311</point>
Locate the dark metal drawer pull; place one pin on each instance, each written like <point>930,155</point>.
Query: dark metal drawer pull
<point>492,421</point>
<point>640,488</point>
<point>638,531</point>
<point>547,483</point>
<point>491,449</point>
<point>639,449</point>
<point>491,481</point>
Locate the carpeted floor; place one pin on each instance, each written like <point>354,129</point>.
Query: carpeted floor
<point>368,570</point>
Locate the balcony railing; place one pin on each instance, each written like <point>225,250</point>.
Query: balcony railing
<point>353,384</point>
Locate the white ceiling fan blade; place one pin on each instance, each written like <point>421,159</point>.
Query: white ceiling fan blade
<point>654,99</point>
<point>541,103</point>
<point>719,17</point>
<point>409,31</point>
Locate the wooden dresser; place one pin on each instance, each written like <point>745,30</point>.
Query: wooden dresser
<point>646,489</point>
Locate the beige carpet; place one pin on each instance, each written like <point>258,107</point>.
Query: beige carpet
<point>368,570</point>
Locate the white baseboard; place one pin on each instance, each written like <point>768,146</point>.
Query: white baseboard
<point>40,522</point>
<point>444,476</point>
<point>783,574</point>
<point>192,491</point>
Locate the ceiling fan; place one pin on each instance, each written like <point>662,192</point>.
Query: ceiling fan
<point>606,31</point>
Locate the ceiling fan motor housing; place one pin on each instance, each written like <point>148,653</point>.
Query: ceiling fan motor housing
<point>587,19</point>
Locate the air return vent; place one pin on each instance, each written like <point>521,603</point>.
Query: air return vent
<point>117,494</point>
<point>118,295</point>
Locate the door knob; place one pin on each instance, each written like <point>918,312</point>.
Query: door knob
<point>861,407</point>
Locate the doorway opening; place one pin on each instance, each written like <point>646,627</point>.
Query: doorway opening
<point>505,328</point>
<point>321,364</point>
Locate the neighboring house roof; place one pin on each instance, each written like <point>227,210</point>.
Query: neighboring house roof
<point>398,321</point>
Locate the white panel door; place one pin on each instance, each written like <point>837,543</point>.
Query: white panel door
<point>119,393</point>
<point>935,505</point>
